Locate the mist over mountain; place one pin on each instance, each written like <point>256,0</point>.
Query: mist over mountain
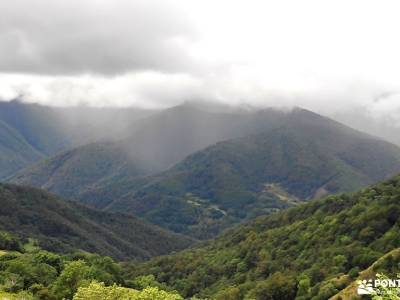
<point>151,145</point>
<point>198,172</point>
<point>32,132</point>
<point>15,152</point>
<point>305,156</point>
<point>379,124</point>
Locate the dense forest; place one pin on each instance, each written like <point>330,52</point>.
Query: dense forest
<point>64,226</point>
<point>312,251</point>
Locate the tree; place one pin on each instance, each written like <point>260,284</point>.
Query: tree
<point>71,278</point>
<point>9,242</point>
<point>98,291</point>
<point>303,287</point>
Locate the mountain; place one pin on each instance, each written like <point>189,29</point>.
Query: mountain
<point>64,226</point>
<point>15,152</point>
<point>28,134</point>
<point>38,125</point>
<point>169,136</point>
<point>306,158</point>
<point>153,144</point>
<point>78,172</point>
<point>32,132</point>
<point>281,159</point>
<point>311,251</point>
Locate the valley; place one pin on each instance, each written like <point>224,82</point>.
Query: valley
<point>264,204</point>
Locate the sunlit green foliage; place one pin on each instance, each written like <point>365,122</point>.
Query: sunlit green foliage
<point>42,275</point>
<point>47,275</point>
<point>16,296</point>
<point>311,251</point>
<point>98,291</point>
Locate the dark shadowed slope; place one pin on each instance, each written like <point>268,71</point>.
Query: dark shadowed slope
<point>313,250</point>
<point>63,226</point>
<point>307,157</point>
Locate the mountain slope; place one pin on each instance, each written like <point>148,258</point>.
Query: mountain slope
<point>306,158</point>
<point>44,131</point>
<point>302,252</point>
<point>168,137</point>
<point>286,158</point>
<point>65,226</point>
<point>77,172</point>
<point>153,145</point>
<point>387,265</point>
<point>15,152</point>
<point>39,125</point>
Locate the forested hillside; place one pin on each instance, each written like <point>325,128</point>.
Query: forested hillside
<point>64,226</point>
<point>306,158</point>
<point>310,251</point>
<point>83,171</point>
<point>281,159</point>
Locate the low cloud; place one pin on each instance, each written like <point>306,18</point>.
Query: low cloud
<point>146,89</point>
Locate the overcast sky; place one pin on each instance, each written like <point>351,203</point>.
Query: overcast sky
<point>323,55</point>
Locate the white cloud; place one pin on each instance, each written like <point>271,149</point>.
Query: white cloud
<point>323,55</point>
<point>386,108</point>
<point>92,36</point>
<point>146,89</point>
